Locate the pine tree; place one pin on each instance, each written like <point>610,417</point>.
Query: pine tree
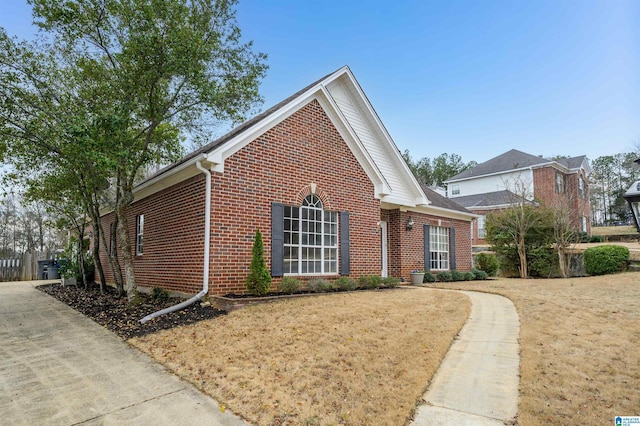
<point>259,279</point>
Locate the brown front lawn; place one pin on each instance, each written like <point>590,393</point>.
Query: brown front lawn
<point>580,343</point>
<point>347,358</point>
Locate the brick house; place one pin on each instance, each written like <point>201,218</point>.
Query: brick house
<point>496,183</point>
<point>321,178</point>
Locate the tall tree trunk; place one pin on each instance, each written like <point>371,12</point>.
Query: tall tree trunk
<point>96,254</point>
<point>98,235</point>
<point>522,255</point>
<point>126,196</point>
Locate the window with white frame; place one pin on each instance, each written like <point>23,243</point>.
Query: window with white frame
<point>139,233</point>
<point>581,193</point>
<point>438,247</point>
<point>310,239</point>
<point>455,189</point>
<point>584,224</point>
<point>559,183</point>
<point>481,227</point>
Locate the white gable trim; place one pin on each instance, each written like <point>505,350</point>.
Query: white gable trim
<point>383,191</point>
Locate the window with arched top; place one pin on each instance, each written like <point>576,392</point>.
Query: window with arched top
<point>310,238</point>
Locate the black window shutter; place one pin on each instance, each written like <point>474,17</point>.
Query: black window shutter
<point>452,247</point>
<point>427,256</point>
<point>277,239</point>
<point>345,260</point>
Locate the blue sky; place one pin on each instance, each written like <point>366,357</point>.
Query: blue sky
<point>475,78</point>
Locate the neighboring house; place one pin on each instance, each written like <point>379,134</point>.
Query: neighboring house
<point>322,179</point>
<point>499,182</point>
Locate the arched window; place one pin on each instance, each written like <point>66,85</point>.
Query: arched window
<point>310,239</point>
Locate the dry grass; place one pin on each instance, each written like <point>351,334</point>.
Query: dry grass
<point>580,341</point>
<point>613,230</point>
<point>349,358</point>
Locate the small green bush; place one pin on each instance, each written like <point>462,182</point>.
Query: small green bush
<point>596,239</point>
<point>469,276</point>
<point>289,285</point>
<point>444,276</point>
<point>391,282</point>
<point>605,259</point>
<point>428,277</point>
<point>479,275</point>
<point>159,294</point>
<point>370,281</point>
<point>457,275</point>
<point>488,263</point>
<point>320,285</point>
<point>345,283</point>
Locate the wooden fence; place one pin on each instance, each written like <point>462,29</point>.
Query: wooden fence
<point>21,268</point>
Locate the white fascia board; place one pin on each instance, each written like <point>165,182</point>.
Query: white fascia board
<point>176,175</point>
<point>434,211</point>
<point>407,176</point>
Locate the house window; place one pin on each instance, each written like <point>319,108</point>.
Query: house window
<point>438,247</point>
<point>481,227</point>
<point>581,193</point>
<point>584,223</point>
<point>455,189</point>
<point>559,183</point>
<point>310,239</point>
<point>139,233</point>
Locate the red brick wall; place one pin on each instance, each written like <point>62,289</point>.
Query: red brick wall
<point>406,247</point>
<point>545,192</point>
<point>173,238</point>
<point>279,166</point>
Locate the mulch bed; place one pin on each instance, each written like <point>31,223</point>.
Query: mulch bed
<point>113,312</point>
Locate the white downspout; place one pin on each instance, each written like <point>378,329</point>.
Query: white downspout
<point>207,241</point>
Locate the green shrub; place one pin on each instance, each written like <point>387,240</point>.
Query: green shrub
<point>289,285</point>
<point>457,275</point>
<point>428,277</point>
<point>444,276</point>
<point>596,239</point>
<point>259,279</point>
<point>320,285</point>
<point>582,237</point>
<point>345,283</point>
<point>488,263</point>
<point>159,294</point>
<point>542,262</point>
<point>391,282</point>
<point>370,281</point>
<point>469,276</point>
<point>479,275</point>
<point>605,259</point>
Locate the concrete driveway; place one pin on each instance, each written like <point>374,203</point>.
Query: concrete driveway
<point>57,367</point>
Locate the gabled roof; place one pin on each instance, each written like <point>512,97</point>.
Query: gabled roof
<point>487,200</point>
<point>346,105</point>
<point>516,160</point>
<point>438,200</point>
<point>510,160</point>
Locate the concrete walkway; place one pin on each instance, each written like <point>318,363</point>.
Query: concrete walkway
<point>58,367</point>
<point>477,382</point>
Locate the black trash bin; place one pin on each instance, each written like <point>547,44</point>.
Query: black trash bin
<point>52,271</point>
